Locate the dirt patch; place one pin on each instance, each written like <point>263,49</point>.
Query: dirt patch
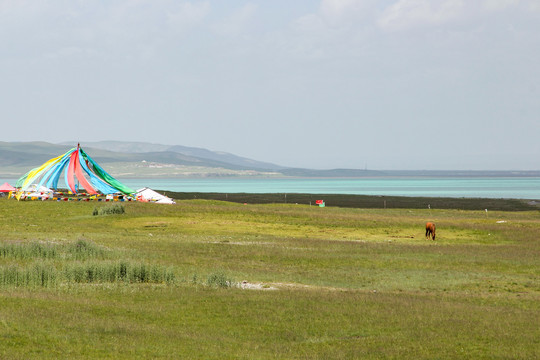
<point>158,224</point>
<point>256,286</point>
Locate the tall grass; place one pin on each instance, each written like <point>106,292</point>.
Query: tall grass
<point>46,275</point>
<point>118,272</point>
<point>28,250</point>
<point>83,249</point>
<point>79,250</point>
<point>36,275</point>
<point>48,264</point>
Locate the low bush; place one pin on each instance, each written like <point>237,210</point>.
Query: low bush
<point>109,210</point>
<point>220,280</point>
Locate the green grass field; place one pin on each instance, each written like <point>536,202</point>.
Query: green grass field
<point>207,279</point>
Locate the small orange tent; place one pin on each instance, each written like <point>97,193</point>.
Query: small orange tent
<point>7,188</point>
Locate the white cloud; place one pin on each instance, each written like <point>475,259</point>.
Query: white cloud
<point>187,15</point>
<point>533,5</point>
<point>336,15</point>
<point>407,14</point>
<point>340,10</point>
<point>237,23</point>
<point>336,25</point>
<point>70,52</point>
<point>309,24</point>
<point>498,5</point>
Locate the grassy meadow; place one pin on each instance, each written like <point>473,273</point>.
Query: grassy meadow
<point>208,279</point>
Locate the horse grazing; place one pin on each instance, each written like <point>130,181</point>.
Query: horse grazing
<point>430,230</point>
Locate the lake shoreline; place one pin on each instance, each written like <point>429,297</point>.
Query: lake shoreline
<point>364,201</point>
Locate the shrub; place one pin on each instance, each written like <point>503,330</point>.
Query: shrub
<point>219,279</point>
<point>109,210</point>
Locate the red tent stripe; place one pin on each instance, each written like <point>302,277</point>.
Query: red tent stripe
<point>80,176</point>
<point>71,171</point>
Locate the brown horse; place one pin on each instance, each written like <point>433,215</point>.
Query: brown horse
<point>430,230</point>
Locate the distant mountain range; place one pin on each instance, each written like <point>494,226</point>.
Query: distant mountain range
<point>132,159</point>
<point>140,159</point>
<point>189,154</point>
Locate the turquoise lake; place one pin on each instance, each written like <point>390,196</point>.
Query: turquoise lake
<point>511,187</point>
<point>468,187</point>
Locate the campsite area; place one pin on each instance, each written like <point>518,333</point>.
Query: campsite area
<point>220,280</point>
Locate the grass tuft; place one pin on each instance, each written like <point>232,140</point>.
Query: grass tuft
<point>110,210</point>
<point>118,272</point>
<point>83,249</point>
<point>219,280</point>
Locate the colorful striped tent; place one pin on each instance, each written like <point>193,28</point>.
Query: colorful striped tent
<point>78,163</point>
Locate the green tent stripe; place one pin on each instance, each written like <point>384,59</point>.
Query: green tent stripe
<point>106,177</point>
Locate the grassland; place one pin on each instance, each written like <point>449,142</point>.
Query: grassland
<point>163,281</point>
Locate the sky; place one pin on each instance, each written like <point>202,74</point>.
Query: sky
<point>323,84</point>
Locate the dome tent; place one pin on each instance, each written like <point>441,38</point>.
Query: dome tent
<point>147,194</point>
<point>6,188</point>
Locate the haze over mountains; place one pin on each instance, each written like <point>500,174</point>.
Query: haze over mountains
<point>134,159</point>
<point>190,153</point>
<point>141,159</point>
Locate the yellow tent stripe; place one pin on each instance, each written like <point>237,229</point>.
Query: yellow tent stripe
<point>37,171</point>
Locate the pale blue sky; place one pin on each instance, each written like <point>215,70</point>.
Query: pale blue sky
<point>395,84</point>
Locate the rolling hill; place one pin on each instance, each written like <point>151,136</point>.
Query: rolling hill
<point>135,159</point>
<point>212,157</point>
<point>142,160</point>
